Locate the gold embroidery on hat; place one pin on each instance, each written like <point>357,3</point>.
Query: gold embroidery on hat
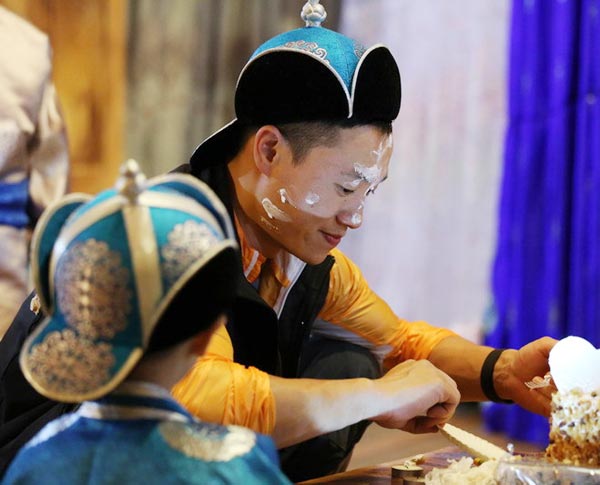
<point>68,364</point>
<point>187,242</point>
<point>208,442</point>
<point>94,296</point>
<point>311,47</point>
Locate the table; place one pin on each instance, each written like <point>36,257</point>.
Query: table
<point>382,474</point>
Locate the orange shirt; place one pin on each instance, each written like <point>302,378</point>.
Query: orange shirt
<point>219,390</point>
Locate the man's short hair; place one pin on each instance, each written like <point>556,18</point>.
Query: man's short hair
<point>303,136</point>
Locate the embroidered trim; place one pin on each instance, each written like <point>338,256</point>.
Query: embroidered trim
<point>188,242</point>
<point>95,298</point>
<point>93,410</point>
<point>52,429</point>
<point>51,363</point>
<point>359,49</point>
<point>311,47</point>
<point>208,442</point>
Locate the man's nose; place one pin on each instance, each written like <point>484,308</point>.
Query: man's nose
<point>351,218</point>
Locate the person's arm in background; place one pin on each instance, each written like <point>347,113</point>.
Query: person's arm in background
<point>49,154</point>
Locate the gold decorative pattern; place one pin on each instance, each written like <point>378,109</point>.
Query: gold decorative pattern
<point>94,297</point>
<point>68,364</point>
<point>188,242</point>
<point>208,442</point>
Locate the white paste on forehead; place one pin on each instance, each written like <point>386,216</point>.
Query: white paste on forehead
<point>311,199</point>
<point>370,174</point>
<point>384,146</point>
<point>274,212</point>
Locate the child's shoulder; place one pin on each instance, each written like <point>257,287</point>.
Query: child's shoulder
<point>207,441</point>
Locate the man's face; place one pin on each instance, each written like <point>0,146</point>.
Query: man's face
<point>308,207</point>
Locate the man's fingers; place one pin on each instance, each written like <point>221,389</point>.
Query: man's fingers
<point>423,424</point>
<point>439,411</point>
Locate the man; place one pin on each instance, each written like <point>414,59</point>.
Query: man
<point>311,355</point>
<point>311,141</point>
<point>117,275</point>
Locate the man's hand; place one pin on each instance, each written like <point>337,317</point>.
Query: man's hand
<point>419,397</point>
<point>515,367</point>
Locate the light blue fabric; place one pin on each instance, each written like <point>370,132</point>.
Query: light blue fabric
<point>159,443</point>
<point>547,271</point>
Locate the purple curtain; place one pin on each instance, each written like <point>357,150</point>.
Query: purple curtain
<point>546,278</point>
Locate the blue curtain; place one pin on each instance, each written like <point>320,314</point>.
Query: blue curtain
<point>546,277</point>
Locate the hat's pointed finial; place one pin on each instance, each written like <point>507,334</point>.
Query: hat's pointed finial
<point>131,180</point>
<point>313,13</point>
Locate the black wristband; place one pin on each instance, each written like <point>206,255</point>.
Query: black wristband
<point>487,377</point>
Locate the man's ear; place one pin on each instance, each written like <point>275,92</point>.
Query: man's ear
<point>270,147</point>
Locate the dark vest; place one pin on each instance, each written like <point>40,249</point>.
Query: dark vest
<point>259,338</point>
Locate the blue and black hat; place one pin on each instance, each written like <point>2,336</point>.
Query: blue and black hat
<point>107,269</point>
<point>308,74</point>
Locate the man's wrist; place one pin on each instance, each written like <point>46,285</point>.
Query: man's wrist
<point>494,372</point>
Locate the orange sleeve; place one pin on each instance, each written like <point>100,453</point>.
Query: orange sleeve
<point>352,305</point>
<point>218,390</point>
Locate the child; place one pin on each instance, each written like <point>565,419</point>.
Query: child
<point>134,283</point>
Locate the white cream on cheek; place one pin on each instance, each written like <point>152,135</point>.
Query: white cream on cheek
<point>311,199</point>
<point>273,211</point>
<point>318,202</point>
<point>285,197</point>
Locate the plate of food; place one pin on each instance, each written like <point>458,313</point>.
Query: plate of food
<point>573,455</point>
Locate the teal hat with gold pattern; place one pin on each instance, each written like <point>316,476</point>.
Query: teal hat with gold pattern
<point>105,270</point>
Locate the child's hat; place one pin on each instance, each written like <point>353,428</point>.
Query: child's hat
<point>106,268</point>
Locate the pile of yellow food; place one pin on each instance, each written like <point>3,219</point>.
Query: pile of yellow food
<point>575,428</point>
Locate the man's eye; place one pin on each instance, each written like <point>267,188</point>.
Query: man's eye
<point>344,191</point>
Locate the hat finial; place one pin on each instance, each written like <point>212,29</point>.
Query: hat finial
<point>131,181</point>
<point>313,13</point>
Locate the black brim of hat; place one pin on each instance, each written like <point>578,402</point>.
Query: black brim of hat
<point>218,148</point>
